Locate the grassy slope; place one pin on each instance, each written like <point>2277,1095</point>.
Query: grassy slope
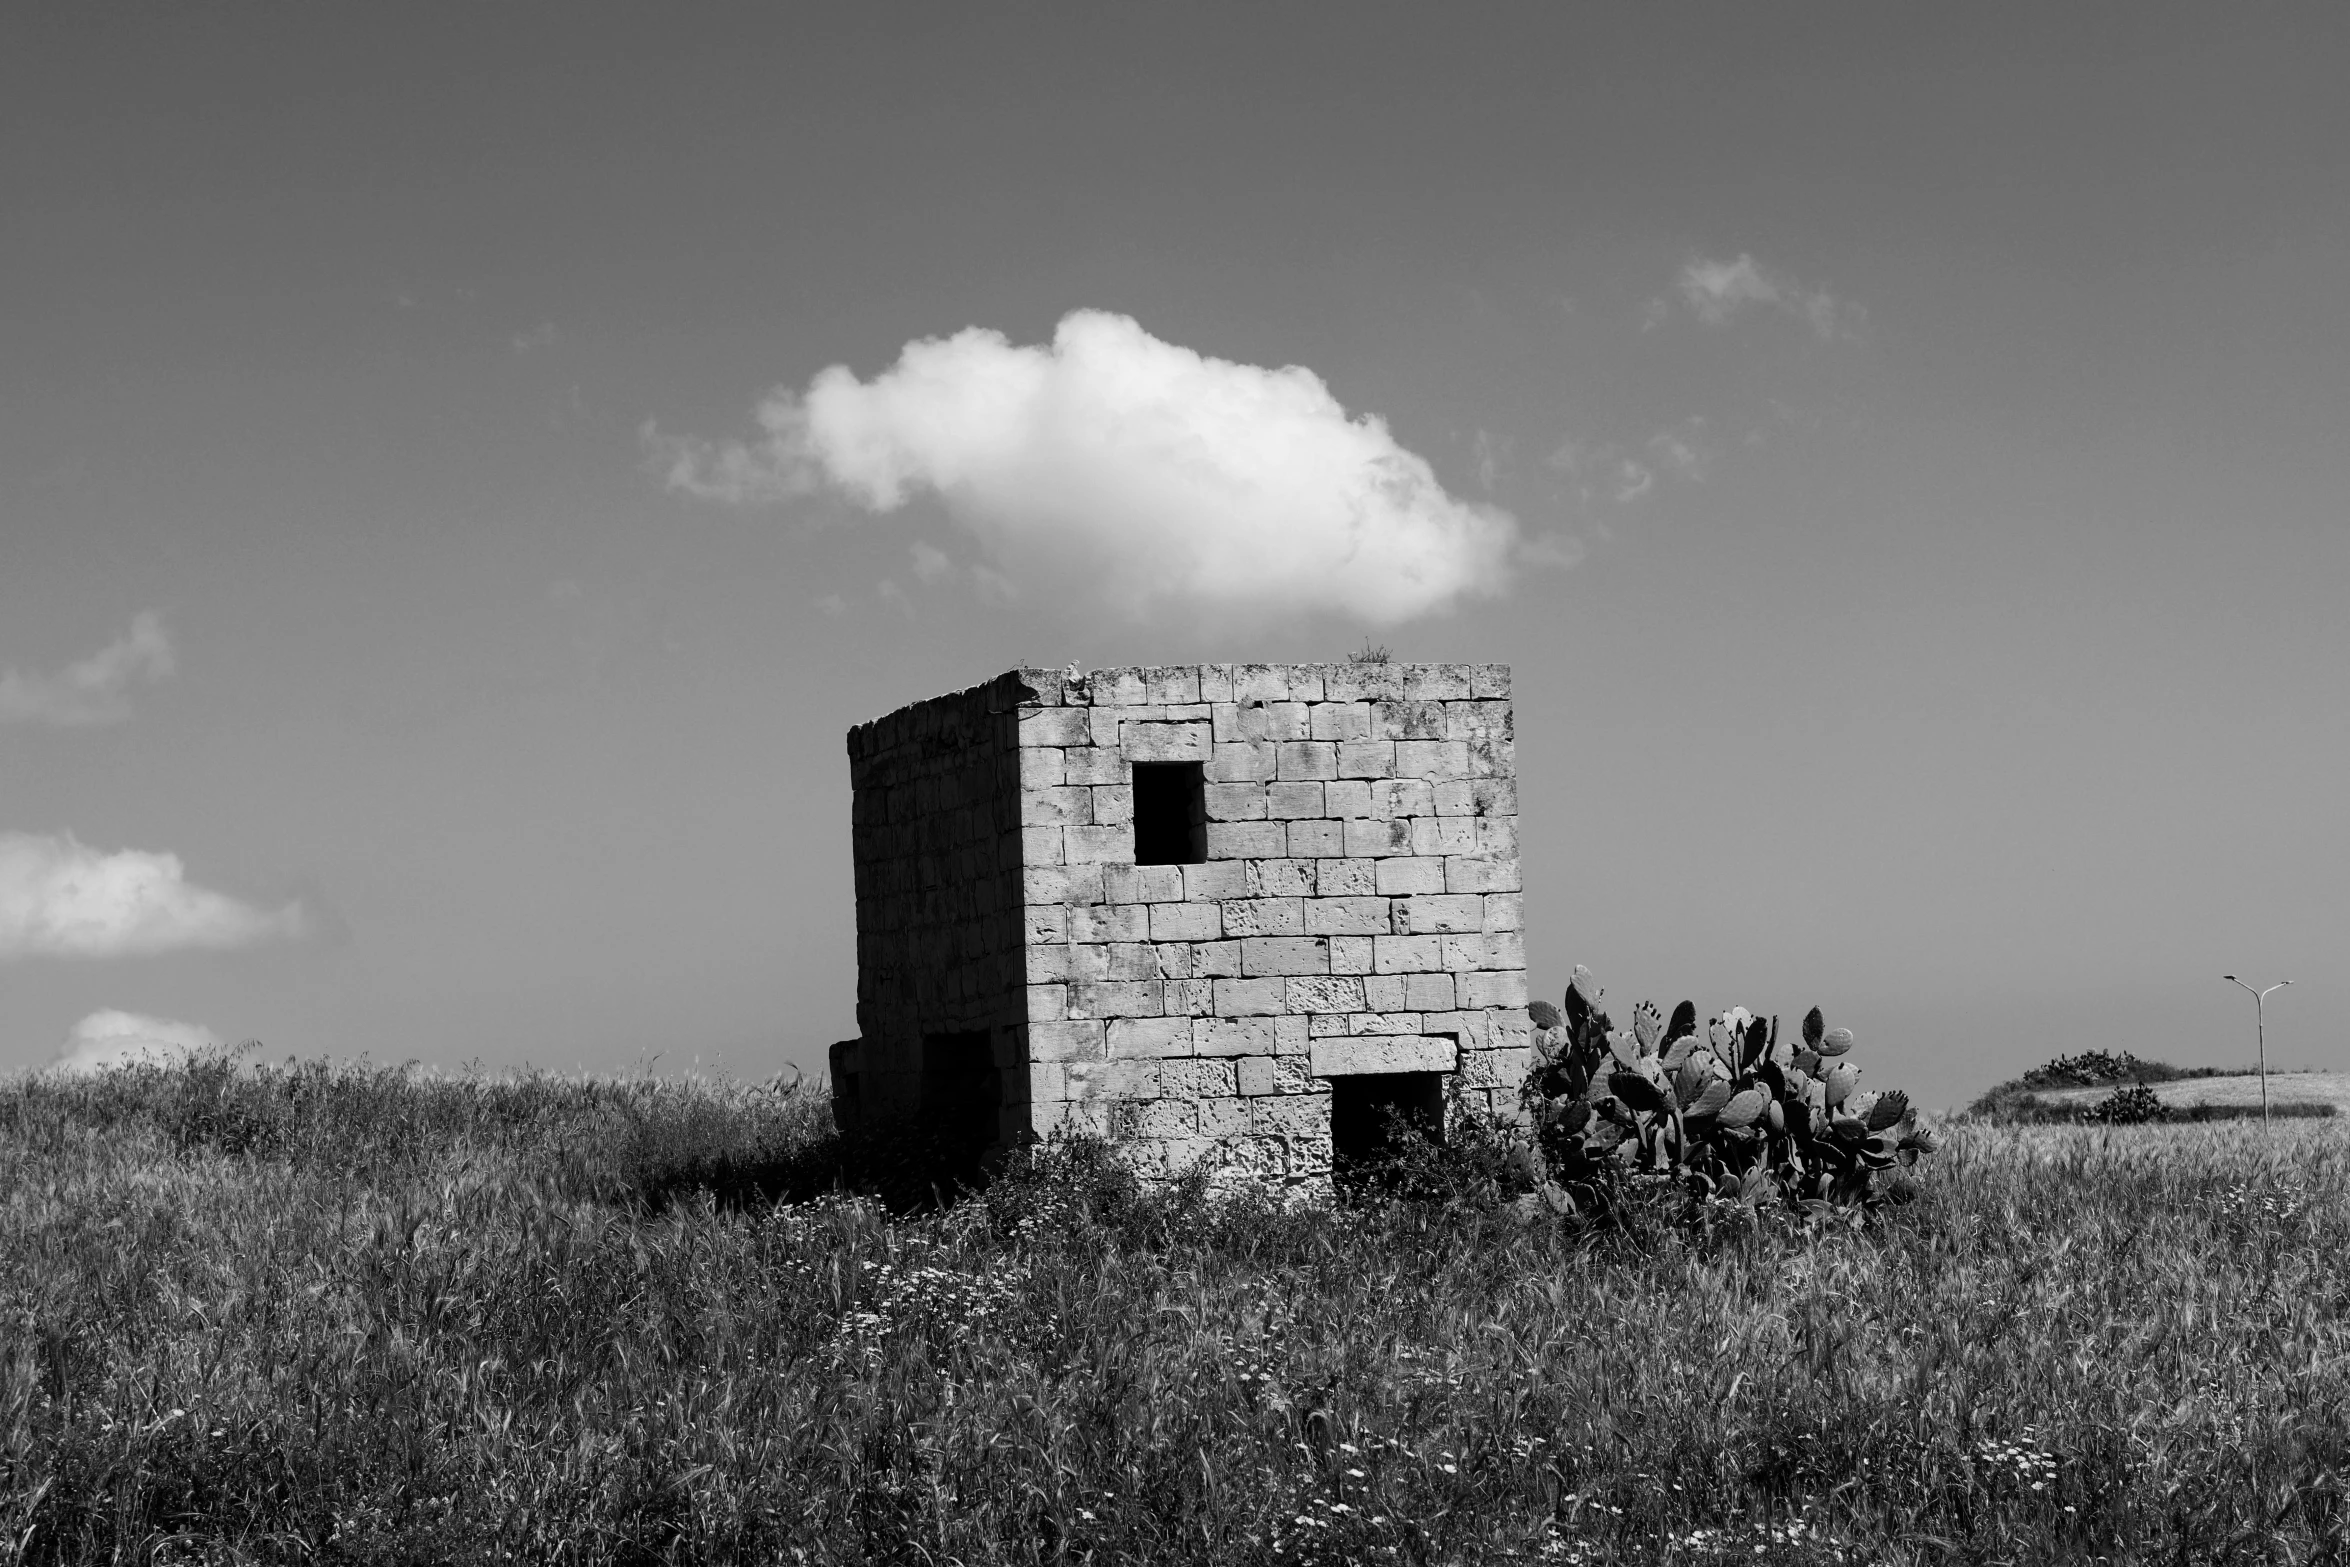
<point>368,1320</point>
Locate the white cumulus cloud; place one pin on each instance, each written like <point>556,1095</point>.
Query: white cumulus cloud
<point>94,691</point>
<point>112,1038</point>
<point>61,898</point>
<point>1133,473</point>
<point>1717,290</point>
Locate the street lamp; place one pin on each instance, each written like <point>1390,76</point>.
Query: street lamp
<point>2260,1028</point>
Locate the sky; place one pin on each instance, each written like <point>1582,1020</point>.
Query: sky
<point>464,468</point>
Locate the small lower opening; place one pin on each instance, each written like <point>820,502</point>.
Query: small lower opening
<point>962,1092</point>
<point>1170,813</point>
<point>1373,1117</point>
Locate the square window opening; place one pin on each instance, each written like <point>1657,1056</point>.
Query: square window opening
<point>1373,1116</point>
<point>1170,813</point>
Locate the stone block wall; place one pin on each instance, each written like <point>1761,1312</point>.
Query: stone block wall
<point>935,836</point>
<point>1350,903</point>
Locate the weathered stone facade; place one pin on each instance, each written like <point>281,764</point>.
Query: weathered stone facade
<point>1192,907</point>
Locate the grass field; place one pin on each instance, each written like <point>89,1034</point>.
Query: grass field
<point>360,1317</point>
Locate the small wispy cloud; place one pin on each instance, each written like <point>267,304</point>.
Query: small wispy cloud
<point>544,335</point>
<point>931,562</point>
<point>61,898</point>
<point>1114,469</point>
<point>96,690</point>
<point>1490,454</point>
<point>1717,290</point>
<point>112,1038</point>
<point>1559,550</point>
<point>1602,470</point>
<point>1681,452</point>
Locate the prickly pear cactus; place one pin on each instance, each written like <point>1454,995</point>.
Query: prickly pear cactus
<point>1731,1109</point>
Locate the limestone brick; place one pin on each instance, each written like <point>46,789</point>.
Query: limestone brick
<point>1247,840</point>
<point>1435,682</point>
<point>1237,802</point>
<point>1185,922</point>
<point>1116,998</point>
<point>1282,878</point>
<point>1407,720</point>
<point>1427,992</point>
<point>1478,873</point>
<point>1361,1053</point>
<point>1311,993</point>
<point>1373,839</point>
<point>1266,955</point>
<point>1148,742</point>
<point>1265,917</point>
<point>1149,1036</point>
<point>1410,876</point>
<point>1248,997</point>
<point>1222,1120</point>
<point>1216,880</point>
<point>1346,916</point>
<point>1317,840</point>
<point>1241,761</point>
<point>1232,1036</point>
<point>1492,988</point>
<point>1437,913</point>
<point>1125,883</point>
<point>1312,759</point>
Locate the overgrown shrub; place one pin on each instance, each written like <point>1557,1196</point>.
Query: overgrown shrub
<point>1734,1112</point>
<point>2131,1106</point>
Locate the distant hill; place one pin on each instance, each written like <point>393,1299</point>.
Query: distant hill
<point>2064,1089</point>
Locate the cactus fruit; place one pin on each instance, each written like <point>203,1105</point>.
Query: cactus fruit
<point>1733,1109</point>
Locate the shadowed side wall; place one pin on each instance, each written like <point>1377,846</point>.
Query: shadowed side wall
<point>935,831</point>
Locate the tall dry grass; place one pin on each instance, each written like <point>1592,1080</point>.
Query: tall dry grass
<point>359,1315</point>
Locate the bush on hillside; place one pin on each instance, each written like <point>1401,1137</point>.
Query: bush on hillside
<point>2131,1106</point>
<point>1733,1112</point>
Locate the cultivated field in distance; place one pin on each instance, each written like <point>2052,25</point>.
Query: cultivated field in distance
<point>359,1316</point>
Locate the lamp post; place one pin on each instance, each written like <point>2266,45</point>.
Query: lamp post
<point>2260,1030</point>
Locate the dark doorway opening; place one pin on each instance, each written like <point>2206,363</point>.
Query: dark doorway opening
<point>1373,1116</point>
<point>1170,813</point>
<point>962,1092</point>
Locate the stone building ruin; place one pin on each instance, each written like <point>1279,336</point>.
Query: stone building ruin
<point>1229,910</point>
